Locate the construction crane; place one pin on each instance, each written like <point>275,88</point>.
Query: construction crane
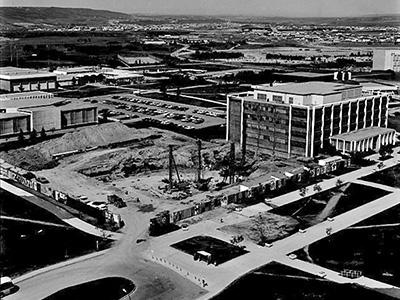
<point>171,167</point>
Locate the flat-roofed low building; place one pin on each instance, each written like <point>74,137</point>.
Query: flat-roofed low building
<point>77,115</point>
<point>13,123</point>
<point>299,119</point>
<point>43,117</point>
<point>26,96</point>
<point>364,140</point>
<point>10,106</point>
<point>23,80</point>
<point>61,117</point>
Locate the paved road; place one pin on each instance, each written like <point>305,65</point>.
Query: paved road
<point>123,259</point>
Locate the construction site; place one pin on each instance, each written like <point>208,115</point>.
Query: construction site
<point>179,198</point>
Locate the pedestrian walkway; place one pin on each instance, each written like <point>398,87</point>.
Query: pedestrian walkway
<point>375,185</point>
<point>221,276</point>
<point>332,275</point>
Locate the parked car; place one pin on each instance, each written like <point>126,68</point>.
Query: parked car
<point>42,180</point>
<point>98,204</point>
<point>7,287</point>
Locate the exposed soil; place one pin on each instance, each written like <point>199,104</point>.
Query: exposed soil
<point>264,227</point>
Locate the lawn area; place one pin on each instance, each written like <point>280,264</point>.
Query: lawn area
<point>335,201</point>
<point>390,177</point>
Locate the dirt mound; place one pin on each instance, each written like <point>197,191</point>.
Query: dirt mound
<point>39,156</point>
<point>93,136</point>
<point>29,159</point>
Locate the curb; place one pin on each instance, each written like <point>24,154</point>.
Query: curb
<point>58,265</point>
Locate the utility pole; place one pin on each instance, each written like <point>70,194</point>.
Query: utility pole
<point>170,162</point>
<point>199,156</point>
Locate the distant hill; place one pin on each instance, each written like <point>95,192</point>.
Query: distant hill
<point>57,15</point>
<point>370,20</point>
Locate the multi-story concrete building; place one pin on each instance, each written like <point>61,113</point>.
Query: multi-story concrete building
<point>24,80</point>
<point>385,59</point>
<point>300,119</point>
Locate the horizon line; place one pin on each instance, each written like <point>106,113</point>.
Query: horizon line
<point>209,14</point>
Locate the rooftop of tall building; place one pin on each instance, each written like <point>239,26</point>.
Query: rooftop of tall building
<point>307,88</point>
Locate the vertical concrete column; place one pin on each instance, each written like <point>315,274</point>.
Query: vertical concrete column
<point>332,109</point>
<point>322,127</point>
<point>348,120</point>
<point>357,113</point>
<point>365,113</point>
<point>340,117</point>
<point>312,131</point>
<point>227,118</point>
<point>290,131</point>
<point>344,147</point>
<point>373,111</point>
<point>380,112</point>
<point>378,142</point>
<point>308,132</point>
<point>387,112</point>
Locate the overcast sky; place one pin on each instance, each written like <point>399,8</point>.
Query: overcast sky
<point>289,8</point>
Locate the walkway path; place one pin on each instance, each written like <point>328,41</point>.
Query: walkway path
<point>8,218</point>
<point>332,275</point>
<point>376,185</point>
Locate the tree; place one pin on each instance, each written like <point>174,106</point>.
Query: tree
<point>21,136</point>
<point>33,135</point>
<point>163,90</point>
<point>386,151</point>
<point>339,182</point>
<point>43,133</point>
<point>105,112</point>
<point>261,227</point>
<point>317,188</point>
<point>303,191</point>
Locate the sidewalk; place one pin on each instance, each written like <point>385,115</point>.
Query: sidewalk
<point>58,265</point>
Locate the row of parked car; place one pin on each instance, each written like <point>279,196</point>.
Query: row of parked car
<point>152,103</point>
<point>156,112</point>
<point>168,124</point>
<point>210,113</point>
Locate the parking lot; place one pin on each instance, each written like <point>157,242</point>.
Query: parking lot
<point>129,108</point>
